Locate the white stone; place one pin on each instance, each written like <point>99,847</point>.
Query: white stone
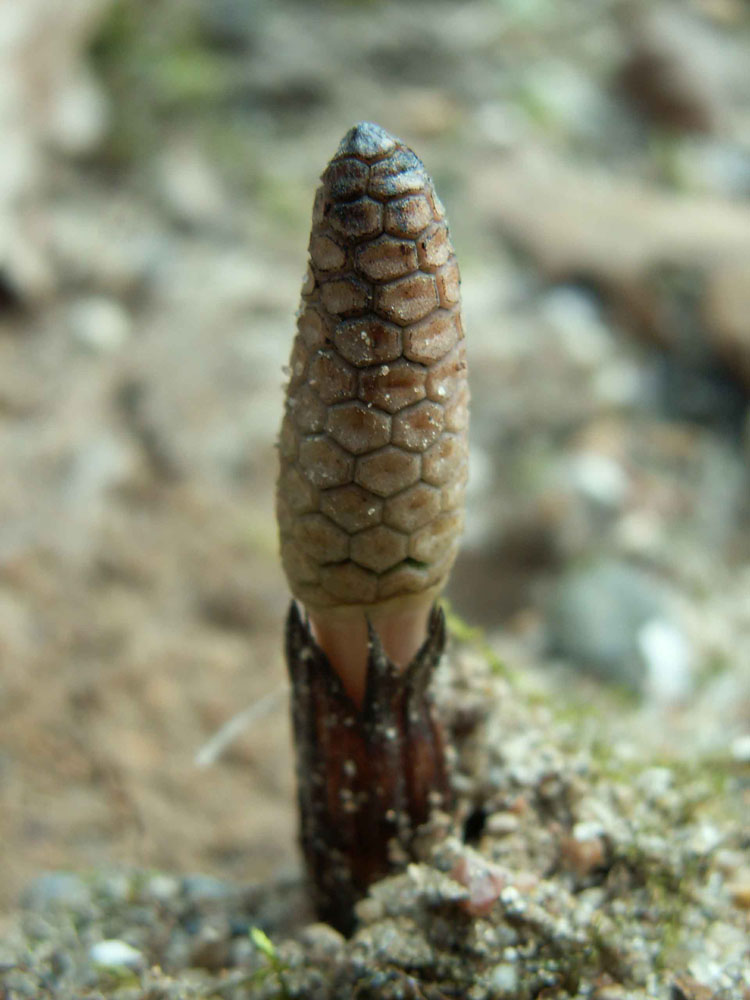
<point>162,887</point>
<point>79,116</point>
<point>599,477</point>
<point>116,954</point>
<point>655,781</point>
<point>668,658</point>
<point>503,979</point>
<point>589,830</point>
<point>706,838</point>
<point>99,323</point>
<point>740,749</point>
<point>618,382</point>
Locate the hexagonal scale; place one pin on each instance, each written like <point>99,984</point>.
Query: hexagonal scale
<point>346,295</point>
<point>367,341</point>
<point>379,548</point>
<point>387,471</point>
<point>332,378</point>
<point>418,427</point>
<point>326,254</point>
<point>349,583</point>
<point>346,179</point>
<point>297,491</point>
<point>392,387</point>
<point>430,543</point>
<point>357,218</point>
<point>406,578</point>
<point>321,539</point>
<point>408,299</point>
<point>358,428</point>
<point>407,216</point>
<point>352,507</point>
<point>312,329</point>
<point>308,411</point>
<point>412,508</point>
<point>449,283</point>
<point>288,439</point>
<point>430,340</point>
<point>298,363</point>
<point>386,258</point>
<point>457,410</point>
<point>443,377</point>
<point>434,246</point>
<point>402,173</point>
<point>325,463</point>
<point>297,564</point>
<point>440,462</point>
<point>453,492</point>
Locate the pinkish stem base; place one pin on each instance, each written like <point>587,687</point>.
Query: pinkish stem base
<point>344,638</point>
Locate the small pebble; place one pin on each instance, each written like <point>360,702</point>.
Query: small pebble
<point>205,889</point>
<point>503,980</point>
<point>596,618</point>
<point>79,116</point>
<point>599,478</point>
<point>99,323</point>
<point>617,382</point>
<point>588,830</point>
<point>116,886</point>
<point>162,888</point>
<point>210,948</point>
<point>668,659</point>
<point>582,856</point>
<point>116,954</point>
<point>705,839</point>
<point>740,749</point>
<point>61,889</point>
<point>484,881</point>
<point>512,901</point>
<point>321,942</point>
<point>501,824</point>
<point>655,782</point>
<point>739,889</point>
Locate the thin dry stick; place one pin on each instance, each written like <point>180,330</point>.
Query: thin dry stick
<point>214,747</point>
<point>373,453</point>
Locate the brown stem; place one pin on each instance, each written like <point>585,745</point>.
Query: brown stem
<point>367,773</point>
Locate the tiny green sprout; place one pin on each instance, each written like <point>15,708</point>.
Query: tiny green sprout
<point>275,966</point>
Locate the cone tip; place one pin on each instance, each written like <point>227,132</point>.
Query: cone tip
<point>367,141</point>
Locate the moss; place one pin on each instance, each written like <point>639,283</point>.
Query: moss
<point>473,636</point>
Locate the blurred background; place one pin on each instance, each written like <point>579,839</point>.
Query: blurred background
<point>159,159</point>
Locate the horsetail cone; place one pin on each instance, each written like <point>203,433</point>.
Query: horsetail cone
<point>373,455</point>
<point>374,438</point>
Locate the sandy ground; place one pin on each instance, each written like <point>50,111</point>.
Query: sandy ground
<point>141,598</point>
